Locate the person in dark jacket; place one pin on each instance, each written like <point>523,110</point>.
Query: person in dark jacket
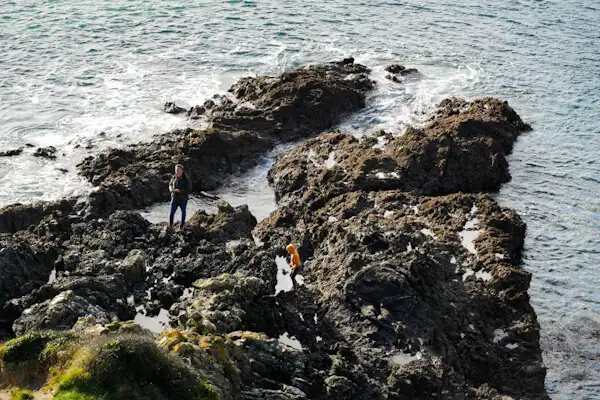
<point>180,188</point>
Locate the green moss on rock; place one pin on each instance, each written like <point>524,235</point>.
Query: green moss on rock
<point>26,347</point>
<point>131,367</point>
<point>20,394</point>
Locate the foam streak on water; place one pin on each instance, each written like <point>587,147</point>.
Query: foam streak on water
<point>73,69</point>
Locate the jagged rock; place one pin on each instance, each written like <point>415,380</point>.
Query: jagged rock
<point>426,292</point>
<point>46,152</point>
<point>297,103</point>
<point>456,152</point>
<point>173,108</point>
<point>21,270</point>
<point>11,153</point>
<point>133,267</point>
<point>16,217</point>
<point>197,112</point>
<point>228,224</point>
<point>399,69</point>
<point>397,277</point>
<point>228,303</point>
<point>266,110</point>
<point>60,313</point>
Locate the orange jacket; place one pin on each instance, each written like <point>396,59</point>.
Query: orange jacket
<point>295,257</point>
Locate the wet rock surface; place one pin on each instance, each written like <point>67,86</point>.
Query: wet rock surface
<point>397,72</point>
<point>46,152</point>
<point>18,217</point>
<point>172,108</point>
<point>411,285</point>
<point>11,153</point>
<point>259,113</point>
<point>462,149</point>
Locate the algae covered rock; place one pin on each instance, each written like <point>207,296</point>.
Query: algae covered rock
<point>110,366</point>
<point>226,303</point>
<point>26,361</point>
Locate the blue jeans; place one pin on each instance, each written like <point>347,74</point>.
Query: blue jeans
<point>181,204</point>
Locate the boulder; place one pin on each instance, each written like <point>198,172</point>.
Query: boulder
<point>60,313</point>
<point>172,108</point>
<point>46,152</point>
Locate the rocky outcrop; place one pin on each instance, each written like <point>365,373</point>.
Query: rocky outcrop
<point>22,270</point>
<point>11,153</point>
<point>396,70</point>
<point>400,69</point>
<point>462,149</point>
<point>172,108</point>
<point>17,217</point>
<point>46,152</point>
<point>295,104</point>
<point>261,112</point>
<point>227,224</point>
<point>61,313</point>
<point>411,285</point>
<point>416,284</point>
<point>105,265</point>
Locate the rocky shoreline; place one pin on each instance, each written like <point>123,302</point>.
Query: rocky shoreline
<point>412,281</point>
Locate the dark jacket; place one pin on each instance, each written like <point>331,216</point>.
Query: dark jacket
<point>184,184</point>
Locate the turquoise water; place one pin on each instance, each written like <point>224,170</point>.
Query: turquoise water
<point>71,70</point>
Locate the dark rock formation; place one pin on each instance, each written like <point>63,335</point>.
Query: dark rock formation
<point>400,69</point>
<point>297,103</point>
<point>173,108</point>
<point>11,153</point>
<point>396,70</point>
<point>101,261</point>
<point>463,149</point>
<point>60,313</point>
<point>22,270</point>
<point>411,287</point>
<point>228,224</point>
<point>264,111</point>
<point>46,152</point>
<point>17,217</point>
<point>409,293</point>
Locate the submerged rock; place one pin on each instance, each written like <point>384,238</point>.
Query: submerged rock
<point>400,69</point>
<point>172,108</point>
<point>11,153</point>
<point>46,152</point>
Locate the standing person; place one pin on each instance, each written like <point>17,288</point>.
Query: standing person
<point>295,264</point>
<point>180,187</point>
